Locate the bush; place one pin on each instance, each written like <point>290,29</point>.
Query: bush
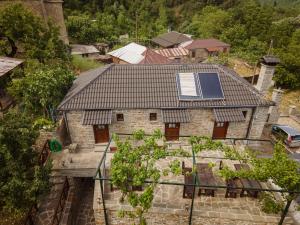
<point>269,204</point>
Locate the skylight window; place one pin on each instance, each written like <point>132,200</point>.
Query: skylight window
<point>199,86</point>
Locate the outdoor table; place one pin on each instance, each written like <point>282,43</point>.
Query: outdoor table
<point>248,184</point>
<point>206,177</point>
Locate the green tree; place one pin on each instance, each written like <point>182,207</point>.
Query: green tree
<point>42,88</point>
<point>20,31</point>
<point>22,180</point>
<point>211,22</point>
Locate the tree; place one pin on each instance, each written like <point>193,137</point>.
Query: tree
<point>42,88</point>
<point>211,22</point>
<point>135,163</point>
<point>20,31</point>
<point>22,180</point>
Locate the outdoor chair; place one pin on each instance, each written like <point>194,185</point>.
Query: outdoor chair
<point>188,179</point>
<point>231,192</point>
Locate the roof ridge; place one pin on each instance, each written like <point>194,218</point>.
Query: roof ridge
<point>241,80</point>
<point>105,68</point>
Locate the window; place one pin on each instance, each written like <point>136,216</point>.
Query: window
<point>172,125</point>
<point>193,53</point>
<point>153,116</point>
<point>120,117</point>
<point>245,113</point>
<point>220,124</point>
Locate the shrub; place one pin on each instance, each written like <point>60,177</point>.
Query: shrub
<point>269,204</point>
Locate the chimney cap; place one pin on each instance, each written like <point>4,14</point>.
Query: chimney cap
<point>270,60</point>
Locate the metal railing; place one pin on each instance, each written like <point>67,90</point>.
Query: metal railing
<point>58,212</point>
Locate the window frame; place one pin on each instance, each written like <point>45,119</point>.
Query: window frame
<point>151,115</point>
<point>120,117</point>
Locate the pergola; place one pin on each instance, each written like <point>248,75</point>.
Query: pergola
<point>102,177</point>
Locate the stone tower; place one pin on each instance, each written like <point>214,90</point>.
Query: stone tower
<point>266,73</point>
<point>48,10</point>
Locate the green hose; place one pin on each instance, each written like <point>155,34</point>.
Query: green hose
<point>55,145</point>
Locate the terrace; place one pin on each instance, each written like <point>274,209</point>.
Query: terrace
<point>212,206</point>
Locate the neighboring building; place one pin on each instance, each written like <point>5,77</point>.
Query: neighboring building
<point>171,39</point>
<point>137,54</point>
<point>200,50</point>
<point>195,99</point>
<point>47,10</point>
<point>84,50</point>
<point>6,66</point>
<point>176,54</point>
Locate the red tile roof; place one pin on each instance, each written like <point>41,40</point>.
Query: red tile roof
<point>173,52</point>
<point>151,57</point>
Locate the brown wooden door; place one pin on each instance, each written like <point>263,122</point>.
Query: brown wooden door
<point>172,131</point>
<point>101,133</point>
<point>220,130</point>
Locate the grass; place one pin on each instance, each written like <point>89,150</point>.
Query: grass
<point>290,97</point>
<point>82,64</point>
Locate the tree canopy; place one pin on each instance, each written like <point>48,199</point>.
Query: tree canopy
<point>23,32</point>
<point>42,88</point>
<point>22,180</point>
<point>250,26</point>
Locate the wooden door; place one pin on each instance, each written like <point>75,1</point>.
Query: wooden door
<point>101,133</point>
<point>220,130</point>
<point>172,131</point>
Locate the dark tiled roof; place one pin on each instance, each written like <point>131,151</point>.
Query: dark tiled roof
<point>175,116</point>
<point>170,39</point>
<point>8,64</point>
<point>228,115</point>
<point>92,117</point>
<point>206,43</point>
<point>153,86</point>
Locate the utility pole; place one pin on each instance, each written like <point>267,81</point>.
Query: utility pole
<point>136,27</point>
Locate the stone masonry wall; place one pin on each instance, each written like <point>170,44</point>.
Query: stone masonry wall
<point>202,123</point>
<point>82,135</point>
<point>260,118</point>
<point>136,119</point>
<point>239,129</point>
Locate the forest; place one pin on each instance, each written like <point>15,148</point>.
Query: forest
<point>252,27</point>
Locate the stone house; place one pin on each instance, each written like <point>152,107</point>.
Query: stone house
<point>171,39</point>
<point>199,50</point>
<point>181,100</point>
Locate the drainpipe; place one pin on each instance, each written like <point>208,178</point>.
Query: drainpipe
<point>250,123</point>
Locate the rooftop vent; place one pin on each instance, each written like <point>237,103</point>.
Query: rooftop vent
<point>199,86</point>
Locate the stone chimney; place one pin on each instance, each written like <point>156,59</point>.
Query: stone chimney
<point>268,64</point>
<point>274,110</point>
<point>292,110</point>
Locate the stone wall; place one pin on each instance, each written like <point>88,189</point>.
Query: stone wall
<point>258,124</point>
<point>47,9</point>
<point>136,119</point>
<point>82,135</point>
<point>239,129</point>
<point>202,123</point>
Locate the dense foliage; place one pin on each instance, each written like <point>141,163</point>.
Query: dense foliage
<point>23,32</point>
<point>22,180</point>
<point>250,26</point>
<point>42,88</point>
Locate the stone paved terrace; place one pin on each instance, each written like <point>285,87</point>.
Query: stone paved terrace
<point>169,207</point>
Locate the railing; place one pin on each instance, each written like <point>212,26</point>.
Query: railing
<point>62,200</point>
<point>45,153</point>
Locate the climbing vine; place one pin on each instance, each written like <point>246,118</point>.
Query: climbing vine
<point>134,167</point>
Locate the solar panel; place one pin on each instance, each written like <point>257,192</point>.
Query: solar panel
<point>210,86</point>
